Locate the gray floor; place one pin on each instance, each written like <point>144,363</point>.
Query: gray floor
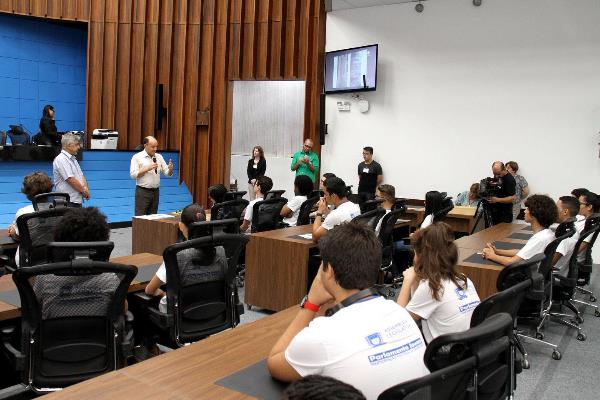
<point>575,376</point>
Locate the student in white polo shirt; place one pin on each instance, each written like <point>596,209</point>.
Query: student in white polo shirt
<point>589,203</point>
<point>433,290</point>
<point>261,186</point>
<point>344,210</point>
<point>303,186</point>
<point>540,212</point>
<point>568,207</point>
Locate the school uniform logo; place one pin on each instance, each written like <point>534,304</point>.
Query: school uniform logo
<point>375,339</point>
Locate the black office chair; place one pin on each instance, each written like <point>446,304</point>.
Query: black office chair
<point>44,201</point>
<point>18,137</point>
<point>305,210</point>
<point>2,139</point>
<point>386,237</point>
<point>69,251</point>
<point>586,266</point>
<point>447,206</point>
<point>228,209</point>
<point>370,205</point>
<point>316,193</point>
<point>73,323</point>
<point>538,301</point>
<point>485,375</point>
<point>274,194</point>
<point>513,283</point>
<point>201,293</point>
<point>234,195</point>
<point>370,218</point>
<point>211,228</point>
<point>266,214</point>
<point>36,230</point>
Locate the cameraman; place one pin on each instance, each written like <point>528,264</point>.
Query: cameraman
<point>501,203</point>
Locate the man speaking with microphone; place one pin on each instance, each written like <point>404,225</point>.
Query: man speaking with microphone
<point>145,168</point>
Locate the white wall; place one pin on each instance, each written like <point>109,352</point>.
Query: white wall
<point>461,86</point>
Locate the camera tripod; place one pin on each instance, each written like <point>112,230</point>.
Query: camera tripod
<point>486,213</point>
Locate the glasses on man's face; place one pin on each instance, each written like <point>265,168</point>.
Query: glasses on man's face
<point>307,146</point>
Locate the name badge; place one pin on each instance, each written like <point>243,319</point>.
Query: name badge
<point>366,170</point>
<point>254,166</point>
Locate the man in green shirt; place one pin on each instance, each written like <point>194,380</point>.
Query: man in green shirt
<point>305,161</point>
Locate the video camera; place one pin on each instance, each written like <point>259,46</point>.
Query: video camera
<point>490,187</point>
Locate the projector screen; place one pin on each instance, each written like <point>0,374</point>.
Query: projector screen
<point>351,70</point>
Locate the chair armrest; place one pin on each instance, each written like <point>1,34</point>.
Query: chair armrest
<point>160,319</point>
<point>6,262</point>
<point>15,357</point>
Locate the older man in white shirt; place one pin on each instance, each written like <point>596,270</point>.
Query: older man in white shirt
<point>68,177</point>
<point>146,167</point>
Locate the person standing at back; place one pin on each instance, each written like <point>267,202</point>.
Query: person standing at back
<point>257,166</point>
<point>68,176</point>
<point>370,175</point>
<point>146,167</point>
<point>502,202</point>
<point>522,188</point>
<point>306,161</point>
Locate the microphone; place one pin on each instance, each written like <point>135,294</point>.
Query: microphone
<point>154,161</point>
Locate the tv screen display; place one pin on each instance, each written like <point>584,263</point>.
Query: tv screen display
<point>351,70</point>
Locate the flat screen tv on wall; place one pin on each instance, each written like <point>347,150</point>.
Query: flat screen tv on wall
<point>351,70</point>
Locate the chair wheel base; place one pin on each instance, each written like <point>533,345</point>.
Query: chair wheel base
<point>525,364</point>
<point>556,355</point>
<point>539,335</point>
<point>593,299</point>
<point>597,312</point>
<point>581,336</point>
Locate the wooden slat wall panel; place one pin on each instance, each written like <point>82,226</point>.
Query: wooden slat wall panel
<point>195,48</point>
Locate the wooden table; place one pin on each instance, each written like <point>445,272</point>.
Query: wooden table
<point>9,311</point>
<point>153,235</point>
<point>461,219</point>
<point>277,267</point>
<point>484,276</point>
<point>7,241</point>
<point>189,372</point>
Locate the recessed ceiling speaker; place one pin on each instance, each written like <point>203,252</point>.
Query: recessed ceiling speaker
<point>477,3</point>
<point>419,7</point>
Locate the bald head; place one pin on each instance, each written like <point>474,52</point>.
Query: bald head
<point>150,145</point>
<point>307,146</point>
<point>498,168</point>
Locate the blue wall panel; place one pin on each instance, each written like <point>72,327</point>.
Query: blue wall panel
<point>41,63</point>
<point>111,188</point>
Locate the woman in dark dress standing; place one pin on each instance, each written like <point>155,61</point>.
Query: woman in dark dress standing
<point>257,165</point>
<point>48,133</point>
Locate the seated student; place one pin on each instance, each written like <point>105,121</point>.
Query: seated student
<point>262,185</point>
<point>589,203</point>
<point>324,177</point>
<point>433,290</point>
<point>361,342</point>
<point>387,193</point>
<point>195,265</point>
<point>216,194</point>
<point>33,184</point>
<point>578,192</point>
<point>344,210</point>
<point>470,198</point>
<point>433,203</point>
<point>319,387</point>
<point>568,207</point>
<point>95,291</point>
<point>540,212</point>
<point>303,185</point>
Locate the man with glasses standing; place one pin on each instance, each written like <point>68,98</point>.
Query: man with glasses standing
<point>68,177</point>
<point>306,161</point>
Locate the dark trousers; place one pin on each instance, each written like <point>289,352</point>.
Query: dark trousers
<point>146,201</point>
<point>75,205</point>
<point>366,196</point>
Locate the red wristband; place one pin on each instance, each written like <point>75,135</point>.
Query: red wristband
<point>309,306</point>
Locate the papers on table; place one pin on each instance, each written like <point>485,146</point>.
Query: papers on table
<point>307,236</point>
<point>154,216</point>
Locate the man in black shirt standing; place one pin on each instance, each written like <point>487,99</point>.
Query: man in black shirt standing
<point>370,175</point>
<point>506,194</point>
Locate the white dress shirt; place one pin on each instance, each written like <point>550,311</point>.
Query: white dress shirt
<point>151,179</point>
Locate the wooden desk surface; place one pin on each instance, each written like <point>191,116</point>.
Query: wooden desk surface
<point>10,243</point>
<point>189,372</point>
<point>286,234</point>
<point>480,239</point>
<point>9,311</point>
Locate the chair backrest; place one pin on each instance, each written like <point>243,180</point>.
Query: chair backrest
<point>370,205</point>
<point>316,193</point>
<point>564,230</point>
<point>489,343</point>
<point>201,290</point>
<point>513,283</point>
<point>450,383</point>
<point>370,218</point>
<point>386,235</point>
<point>591,228</point>
<point>447,206</point>
<point>210,228</point>
<point>266,214</point>
<point>228,209</point>
<point>73,325</point>
<point>305,209</point>
<point>18,137</point>
<point>234,195</point>
<point>44,201</point>
<point>69,251</point>
<point>592,221</point>
<point>273,194</point>
<point>36,230</point>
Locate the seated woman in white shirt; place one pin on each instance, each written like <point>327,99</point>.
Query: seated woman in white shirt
<point>434,201</point>
<point>434,290</point>
<point>210,271</point>
<point>33,184</point>
<point>303,186</point>
<point>387,193</point>
<point>540,212</point>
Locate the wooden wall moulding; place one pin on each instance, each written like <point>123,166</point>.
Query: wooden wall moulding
<point>196,48</point>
